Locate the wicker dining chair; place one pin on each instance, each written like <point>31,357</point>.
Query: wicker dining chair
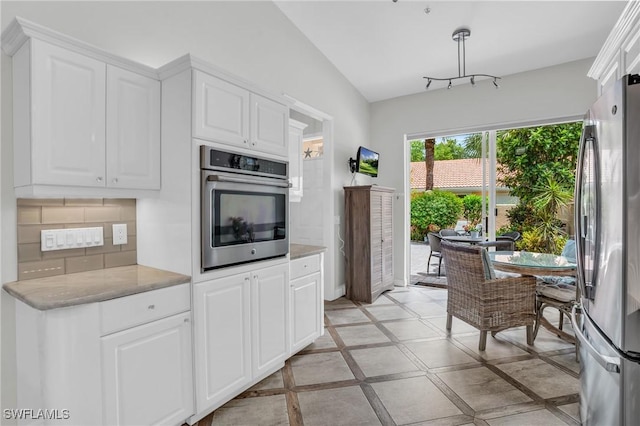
<point>448,232</point>
<point>480,299</point>
<point>560,293</point>
<point>434,249</point>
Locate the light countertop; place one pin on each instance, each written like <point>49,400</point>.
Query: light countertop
<point>92,286</point>
<point>297,251</point>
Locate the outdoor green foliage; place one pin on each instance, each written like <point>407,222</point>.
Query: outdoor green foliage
<point>528,157</point>
<point>439,208</point>
<point>472,207</point>
<point>448,149</point>
<point>533,241</point>
<point>417,150</point>
<point>473,145</point>
<point>538,165</point>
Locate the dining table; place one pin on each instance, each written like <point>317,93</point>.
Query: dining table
<point>532,263</point>
<point>538,265</point>
<point>463,239</point>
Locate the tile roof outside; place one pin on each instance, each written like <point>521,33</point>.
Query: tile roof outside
<point>448,174</point>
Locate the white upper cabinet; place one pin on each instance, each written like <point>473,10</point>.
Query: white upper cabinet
<point>133,130</point>
<point>85,122</point>
<point>67,117</point>
<point>229,114</point>
<point>221,110</point>
<point>620,54</point>
<point>269,125</point>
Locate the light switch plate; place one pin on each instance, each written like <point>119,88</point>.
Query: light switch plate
<point>119,233</point>
<point>70,238</point>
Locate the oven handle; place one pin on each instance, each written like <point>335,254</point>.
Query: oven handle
<point>252,181</point>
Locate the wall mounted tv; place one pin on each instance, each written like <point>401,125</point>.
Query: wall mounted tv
<point>367,162</point>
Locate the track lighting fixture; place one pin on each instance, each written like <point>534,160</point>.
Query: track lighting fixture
<point>459,36</point>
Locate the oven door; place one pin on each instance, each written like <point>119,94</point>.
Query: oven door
<point>243,218</point>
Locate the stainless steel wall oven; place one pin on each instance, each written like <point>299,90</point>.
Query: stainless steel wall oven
<point>245,208</point>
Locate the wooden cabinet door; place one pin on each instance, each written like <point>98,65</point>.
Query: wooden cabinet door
<point>269,126</point>
<point>147,374</point>
<point>68,117</point>
<point>387,240</point>
<point>305,307</point>
<point>221,111</point>
<point>269,311</point>
<point>133,130</point>
<point>222,334</point>
<point>376,243</point>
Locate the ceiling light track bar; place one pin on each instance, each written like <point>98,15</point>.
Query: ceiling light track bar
<point>459,36</point>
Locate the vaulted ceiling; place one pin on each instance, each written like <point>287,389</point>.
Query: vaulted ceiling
<point>384,48</point>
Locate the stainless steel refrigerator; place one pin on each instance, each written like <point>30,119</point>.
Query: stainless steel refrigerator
<point>607,216</point>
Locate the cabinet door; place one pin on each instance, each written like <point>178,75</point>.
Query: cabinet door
<point>376,243</point>
<point>133,130</point>
<point>68,117</point>
<point>222,324</point>
<point>269,125</point>
<point>387,241</point>
<point>305,307</point>
<point>612,74</point>
<point>269,308</point>
<point>221,111</point>
<point>631,51</point>
<point>147,374</point>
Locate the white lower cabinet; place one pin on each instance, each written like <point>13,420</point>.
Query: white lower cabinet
<point>147,373</point>
<point>96,370</point>
<point>307,305</point>
<point>222,325</point>
<point>269,303</point>
<point>241,333</point>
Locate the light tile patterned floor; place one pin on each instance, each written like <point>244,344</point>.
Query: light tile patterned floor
<point>392,363</point>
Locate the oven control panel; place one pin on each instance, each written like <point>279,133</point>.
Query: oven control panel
<point>213,159</point>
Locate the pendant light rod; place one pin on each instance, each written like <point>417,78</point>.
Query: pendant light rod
<point>459,36</point>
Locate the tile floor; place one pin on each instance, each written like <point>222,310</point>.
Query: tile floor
<point>392,363</point>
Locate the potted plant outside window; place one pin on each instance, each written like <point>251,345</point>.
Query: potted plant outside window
<point>473,230</point>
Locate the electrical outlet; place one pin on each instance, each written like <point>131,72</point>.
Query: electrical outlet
<point>119,233</point>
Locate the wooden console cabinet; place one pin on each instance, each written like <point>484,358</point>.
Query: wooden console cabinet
<point>368,241</point>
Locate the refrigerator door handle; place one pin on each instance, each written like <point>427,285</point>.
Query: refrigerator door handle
<point>608,363</point>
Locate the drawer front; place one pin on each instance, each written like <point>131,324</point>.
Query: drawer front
<point>304,266</point>
<point>126,312</point>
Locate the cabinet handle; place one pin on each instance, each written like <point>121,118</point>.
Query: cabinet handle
<point>151,307</point>
<point>255,277</point>
<point>114,180</point>
<point>253,143</point>
<point>186,320</point>
<point>99,179</point>
<point>246,141</point>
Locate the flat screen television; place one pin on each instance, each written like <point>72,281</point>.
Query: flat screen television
<point>367,162</point>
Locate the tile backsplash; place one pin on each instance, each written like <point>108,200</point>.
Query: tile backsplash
<point>35,215</point>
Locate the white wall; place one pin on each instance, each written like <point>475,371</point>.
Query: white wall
<point>253,40</point>
<point>544,94</point>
